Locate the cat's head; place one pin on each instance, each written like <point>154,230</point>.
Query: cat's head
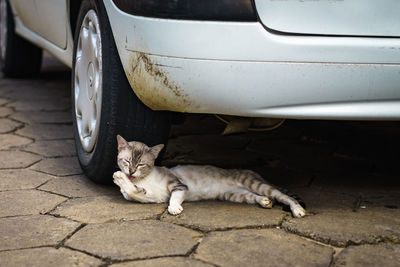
<point>136,159</point>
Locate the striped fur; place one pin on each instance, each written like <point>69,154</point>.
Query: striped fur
<point>140,180</point>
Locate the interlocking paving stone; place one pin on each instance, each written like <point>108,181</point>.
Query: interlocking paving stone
<point>47,257</point>
<point>32,231</point>
<point>21,179</point>
<point>266,247</point>
<point>61,85</point>
<point>343,227</point>
<point>43,117</point>
<point>11,141</point>
<point>7,125</point>
<point>53,148</point>
<point>5,111</point>
<point>386,202</point>
<point>339,220</point>
<point>47,131</point>
<point>17,159</point>
<point>3,101</point>
<point>26,95</point>
<point>217,215</point>
<point>134,240</point>
<point>318,199</point>
<point>162,262</point>
<point>78,186</point>
<point>386,198</point>
<point>360,185</point>
<point>387,255</point>
<point>53,104</point>
<point>35,91</point>
<point>107,209</point>
<point>59,166</point>
<point>196,149</point>
<point>10,85</point>
<point>297,155</point>
<point>27,202</point>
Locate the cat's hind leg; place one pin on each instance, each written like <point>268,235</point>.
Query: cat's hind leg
<point>245,196</point>
<point>253,183</point>
<point>297,210</point>
<point>264,201</point>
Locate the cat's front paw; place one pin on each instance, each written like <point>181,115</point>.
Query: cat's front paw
<point>175,209</point>
<point>298,211</point>
<point>118,176</point>
<point>123,182</point>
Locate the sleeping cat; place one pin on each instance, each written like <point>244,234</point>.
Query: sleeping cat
<point>141,181</point>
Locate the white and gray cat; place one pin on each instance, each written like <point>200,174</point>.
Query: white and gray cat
<point>140,180</point>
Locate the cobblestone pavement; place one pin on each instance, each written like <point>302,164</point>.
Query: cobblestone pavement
<point>50,214</point>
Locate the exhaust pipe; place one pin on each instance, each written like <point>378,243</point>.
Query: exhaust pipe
<point>236,124</point>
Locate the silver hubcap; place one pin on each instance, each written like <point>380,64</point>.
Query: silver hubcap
<point>3,28</point>
<point>88,81</point>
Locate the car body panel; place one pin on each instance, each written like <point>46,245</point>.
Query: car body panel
<point>63,52</point>
<point>26,12</point>
<point>240,68</point>
<point>331,17</point>
<point>47,18</point>
<point>54,13</point>
<point>263,89</point>
<point>185,66</point>
<point>247,41</point>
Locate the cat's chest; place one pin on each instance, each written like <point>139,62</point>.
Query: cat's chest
<point>156,190</point>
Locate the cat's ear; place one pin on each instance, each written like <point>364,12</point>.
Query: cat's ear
<point>122,143</point>
<point>155,150</point>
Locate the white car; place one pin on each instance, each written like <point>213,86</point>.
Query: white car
<point>135,61</point>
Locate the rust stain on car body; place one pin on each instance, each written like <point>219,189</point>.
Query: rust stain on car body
<point>151,83</point>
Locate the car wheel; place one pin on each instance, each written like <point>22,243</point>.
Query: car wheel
<point>19,58</point>
<point>104,103</point>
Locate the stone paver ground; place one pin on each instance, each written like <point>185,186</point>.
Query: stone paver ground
<point>50,214</point>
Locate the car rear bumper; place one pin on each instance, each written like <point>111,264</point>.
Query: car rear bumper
<point>266,89</point>
<point>242,69</point>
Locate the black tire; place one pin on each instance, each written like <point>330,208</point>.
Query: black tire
<point>121,112</point>
<point>22,59</point>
